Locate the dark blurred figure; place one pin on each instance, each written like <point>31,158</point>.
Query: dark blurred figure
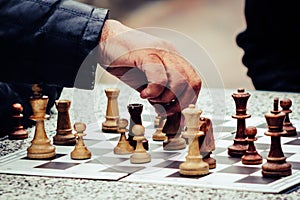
<point>11,93</point>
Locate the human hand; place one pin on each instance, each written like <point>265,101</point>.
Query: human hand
<point>150,65</point>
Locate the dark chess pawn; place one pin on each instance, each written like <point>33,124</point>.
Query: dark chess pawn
<point>80,151</point>
<point>123,146</point>
<point>251,157</point>
<point>18,132</point>
<point>287,125</point>
<point>276,165</point>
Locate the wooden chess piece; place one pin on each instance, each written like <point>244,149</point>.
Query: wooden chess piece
<point>135,110</point>
<point>157,121</point>
<point>251,157</point>
<point>64,135</point>
<point>207,141</point>
<point>140,155</point>
<point>80,151</point>
<point>287,125</point>
<point>159,135</point>
<point>112,111</point>
<point>18,132</point>
<point>240,144</point>
<point>123,146</point>
<point>172,128</point>
<point>276,165</point>
<point>40,145</point>
<point>194,164</point>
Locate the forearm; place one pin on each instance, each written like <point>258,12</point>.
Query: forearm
<point>47,41</point>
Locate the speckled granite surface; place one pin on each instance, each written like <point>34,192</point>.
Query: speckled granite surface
<point>87,106</point>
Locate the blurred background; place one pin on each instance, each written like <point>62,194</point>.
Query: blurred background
<point>213,24</point>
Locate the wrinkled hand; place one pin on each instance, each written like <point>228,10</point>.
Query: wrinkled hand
<point>150,65</point>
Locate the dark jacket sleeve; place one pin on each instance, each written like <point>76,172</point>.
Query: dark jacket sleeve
<point>271,44</point>
<point>49,41</point>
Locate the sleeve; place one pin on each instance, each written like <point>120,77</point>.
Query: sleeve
<point>271,35</point>
<point>50,41</point>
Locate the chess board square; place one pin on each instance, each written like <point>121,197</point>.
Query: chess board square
<point>262,146</point>
<point>107,160</point>
<point>257,180</point>
<point>178,175</point>
<point>163,155</point>
<point>219,121</point>
<point>229,129</point>
<point>90,142</point>
<point>98,151</point>
<point>262,125</point>
<point>294,158</point>
<point>295,165</point>
<point>123,169</point>
<point>117,138</point>
<point>226,160</point>
<point>239,170</point>
<point>56,165</point>
<point>169,164</point>
<point>153,146</point>
<point>58,155</point>
<point>219,150</point>
<point>294,142</point>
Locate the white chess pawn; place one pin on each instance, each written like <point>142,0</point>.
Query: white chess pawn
<point>140,155</point>
<point>80,151</point>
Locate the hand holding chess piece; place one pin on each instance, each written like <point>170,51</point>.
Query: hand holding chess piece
<point>140,155</point>
<point>40,145</point>
<point>80,151</point>
<point>276,165</point>
<point>18,132</point>
<point>251,157</point>
<point>123,146</point>
<point>287,125</point>
<point>194,164</point>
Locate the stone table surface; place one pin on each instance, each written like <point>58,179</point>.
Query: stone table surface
<point>88,106</point>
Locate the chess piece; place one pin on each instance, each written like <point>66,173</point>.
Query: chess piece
<point>194,164</point>
<point>157,121</point>
<point>112,111</point>
<point>207,141</point>
<point>276,165</point>
<point>135,110</point>
<point>287,125</point>
<point>40,147</point>
<point>240,144</point>
<point>123,146</point>
<point>159,135</point>
<point>18,132</point>
<point>80,151</point>
<point>251,157</point>
<point>64,134</point>
<point>140,155</point>
<point>172,128</point>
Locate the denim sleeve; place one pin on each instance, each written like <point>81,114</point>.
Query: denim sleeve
<point>50,41</point>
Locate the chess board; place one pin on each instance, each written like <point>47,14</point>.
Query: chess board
<point>230,173</point>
